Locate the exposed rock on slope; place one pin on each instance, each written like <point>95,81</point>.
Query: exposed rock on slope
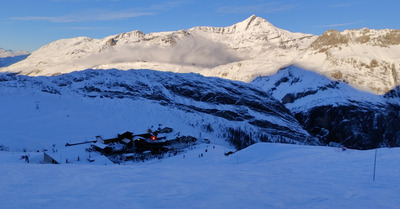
<point>366,59</point>
<point>335,112</point>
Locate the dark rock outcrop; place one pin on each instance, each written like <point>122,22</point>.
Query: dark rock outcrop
<point>334,112</point>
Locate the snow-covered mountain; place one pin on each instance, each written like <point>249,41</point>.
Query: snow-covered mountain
<point>8,53</point>
<point>335,112</point>
<point>8,57</point>
<point>40,111</point>
<point>366,59</point>
<point>294,105</point>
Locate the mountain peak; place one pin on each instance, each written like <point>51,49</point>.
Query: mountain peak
<point>253,18</point>
<point>253,22</point>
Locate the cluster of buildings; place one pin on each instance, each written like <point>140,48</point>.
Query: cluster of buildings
<point>126,146</point>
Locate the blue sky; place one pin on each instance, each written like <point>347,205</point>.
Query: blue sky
<point>30,24</point>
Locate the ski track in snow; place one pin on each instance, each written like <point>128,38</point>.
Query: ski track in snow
<point>261,176</point>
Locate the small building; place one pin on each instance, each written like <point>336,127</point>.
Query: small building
<point>103,148</point>
<point>48,158</point>
<point>120,137</point>
<point>129,156</point>
<point>147,154</point>
<point>126,135</point>
<point>145,136</point>
<point>127,142</point>
<point>99,139</point>
<point>149,145</point>
<point>187,139</point>
<point>165,130</point>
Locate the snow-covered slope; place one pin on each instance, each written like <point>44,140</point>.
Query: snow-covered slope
<point>335,112</point>
<point>261,176</point>
<point>366,59</point>
<point>301,89</point>
<point>40,111</point>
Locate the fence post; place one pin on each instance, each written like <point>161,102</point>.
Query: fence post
<point>373,179</point>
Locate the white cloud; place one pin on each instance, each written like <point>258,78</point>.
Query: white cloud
<point>338,25</point>
<point>103,14</point>
<point>189,51</point>
<point>93,15</point>
<point>85,28</point>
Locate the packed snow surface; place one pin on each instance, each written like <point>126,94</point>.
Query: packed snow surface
<point>261,176</point>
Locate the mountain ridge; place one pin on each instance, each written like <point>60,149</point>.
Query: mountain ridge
<point>333,111</point>
<point>107,101</point>
<point>366,58</point>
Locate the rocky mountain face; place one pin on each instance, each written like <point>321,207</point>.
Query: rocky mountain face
<point>223,109</point>
<point>366,59</point>
<point>334,112</point>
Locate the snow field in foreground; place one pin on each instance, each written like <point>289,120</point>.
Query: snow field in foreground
<point>260,176</point>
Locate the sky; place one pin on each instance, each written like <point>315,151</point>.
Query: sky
<point>30,24</point>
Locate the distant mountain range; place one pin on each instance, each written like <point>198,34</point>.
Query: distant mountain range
<point>9,53</point>
<point>366,59</point>
<point>300,88</point>
<point>8,57</point>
